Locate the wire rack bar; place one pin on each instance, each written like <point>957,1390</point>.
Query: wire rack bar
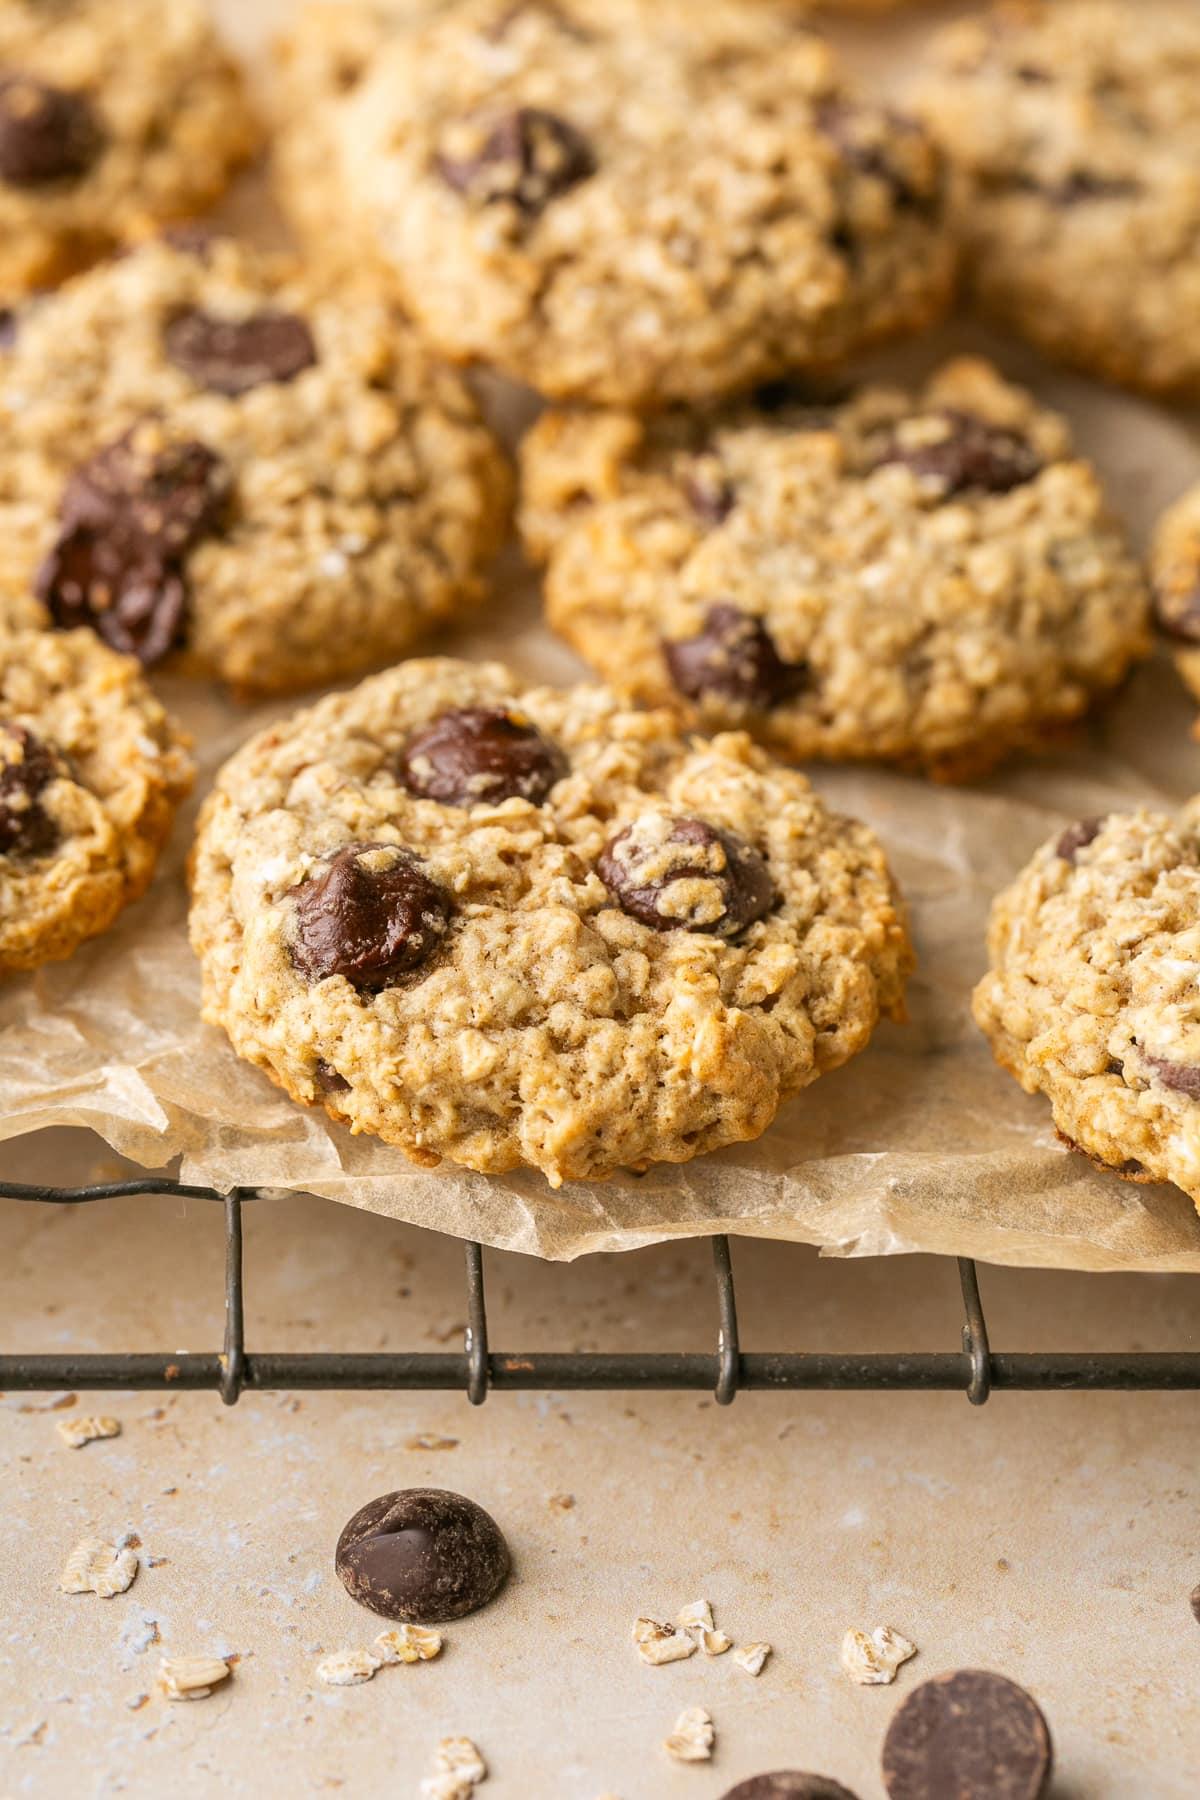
<point>976,1371</point>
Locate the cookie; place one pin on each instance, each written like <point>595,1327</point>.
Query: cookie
<point>112,113</point>
<point>930,579</point>
<point>1074,135</point>
<point>632,204</point>
<point>1175,575</point>
<point>1093,994</point>
<point>91,772</point>
<point>500,928</point>
<point>211,458</point>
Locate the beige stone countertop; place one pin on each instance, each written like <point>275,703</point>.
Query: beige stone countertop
<point>1052,1537</point>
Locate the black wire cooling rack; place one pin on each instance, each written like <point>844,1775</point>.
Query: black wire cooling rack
<point>975,1370</point>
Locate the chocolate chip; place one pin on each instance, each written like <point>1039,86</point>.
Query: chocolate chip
<point>1181,1078</point>
<point>1077,837</point>
<point>527,158</point>
<point>371,914</point>
<point>1081,186</point>
<point>789,1784</point>
<point>866,136</point>
<point>969,1734</point>
<point>129,515</point>
<point>328,1079</point>
<point>8,327</point>
<point>422,1555</point>
<point>480,755</point>
<point>27,767</point>
<point>710,494</point>
<point>231,356</point>
<point>733,658</point>
<point>46,133</point>
<point>967,454</point>
<point>1194,1600</point>
<point>687,875</point>
<point>1177,611</point>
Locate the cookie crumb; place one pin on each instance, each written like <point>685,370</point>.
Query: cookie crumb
<point>347,1668</point>
<point>872,1659</point>
<point>97,1567</point>
<point>751,1657</point>
<point>431,1440</point>
<point>191,1677</point>
<point>86,1429</point>
<point>658,1643</point>
<point>561,1502</point>
<point>408,1644</point>
<point>693,1736</point>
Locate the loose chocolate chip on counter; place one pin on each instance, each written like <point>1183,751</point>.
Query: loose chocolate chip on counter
<point>480,755</point>
<point>371,913</point>
<point>967,453</point>
<point>677,874</point>
<point>789,1784</point>
<point>27,767</point>
<point>733,657</point>
<point>967,1734</point>
<point>47,134</point>
<point>527,157</point>
<point>231,356</point>
<point>422,1555</point>
<point>1181,1078</point>
<point>1077,837</point>
<point>129,516</point>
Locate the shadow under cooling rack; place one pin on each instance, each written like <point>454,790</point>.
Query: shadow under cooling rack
<point>726,1370</point>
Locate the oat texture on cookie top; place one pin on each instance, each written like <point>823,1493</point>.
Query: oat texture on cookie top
<point>1092,993</point>
<point>217,460</point>
<point>503,927</point>
<point>631,204</point>
<point>929,578</point>
<point>112,113</point>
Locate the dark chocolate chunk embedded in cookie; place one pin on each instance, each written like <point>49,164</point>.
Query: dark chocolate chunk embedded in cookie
<point>231,356</point>
<point>685,874</point>
<point>955,452</point>
<point>47,134</point>
<point>423,1555</point>
<point>967,1734</point>
<point>526,158</point>
<point>733,657</point>
<point>27,767</point>
<point>370,913</point>
<point>789,1784</point>
<point>1077,837</point>
<point>479,756</point>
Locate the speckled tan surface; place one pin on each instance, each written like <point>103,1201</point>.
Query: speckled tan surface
<point>1051,1537</point>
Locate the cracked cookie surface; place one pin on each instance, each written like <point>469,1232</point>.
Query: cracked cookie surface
<point>932,579</point>
<point>91,773</point>
<point>1093,996</point>
<point>112,113</point>
<point>632,204</point>
<point>211,458</point>
<point>1074,138</point>
<point>503,927</point>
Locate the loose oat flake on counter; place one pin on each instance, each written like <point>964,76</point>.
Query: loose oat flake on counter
<point>872,1658</point>
<point>86,1429</point>
<point>191,1677</point>
<point>97,1567</point>
<point>692,1737</point>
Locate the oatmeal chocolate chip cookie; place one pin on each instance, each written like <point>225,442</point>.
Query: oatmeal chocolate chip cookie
<point>500,927</point>
<point>1093,996</point>
<point>1074,135</point>
<point>91,772</point>
<point>209,456</point>
<point>931,579</point>
<point>112,113</point>
<point>1175,575</point>
<point>634,203</point>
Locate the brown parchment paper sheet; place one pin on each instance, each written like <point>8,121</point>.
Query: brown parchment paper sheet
<point>922,1144</point>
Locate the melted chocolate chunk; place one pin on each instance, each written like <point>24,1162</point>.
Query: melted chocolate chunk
<point>8,327</point>
<point>129,517</point>
<point>422,1555</point>
<point>527,158</point>
<point>27,767</point>
<point>231,356</point>
<point>733,658</point>
<point>969,1734</point>
<point>328,1079</point>
<point>969,455</point>
<point>371,914</point>
<point>1077,837</point>
<point>1181,1078</point>
<point>46,133</point>
<point>480,755</point>
<point>678,874</point>
<point>789,1784</point>
<point>710,494</point>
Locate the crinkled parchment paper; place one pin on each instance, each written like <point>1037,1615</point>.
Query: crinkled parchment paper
<point>920,1144</point>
